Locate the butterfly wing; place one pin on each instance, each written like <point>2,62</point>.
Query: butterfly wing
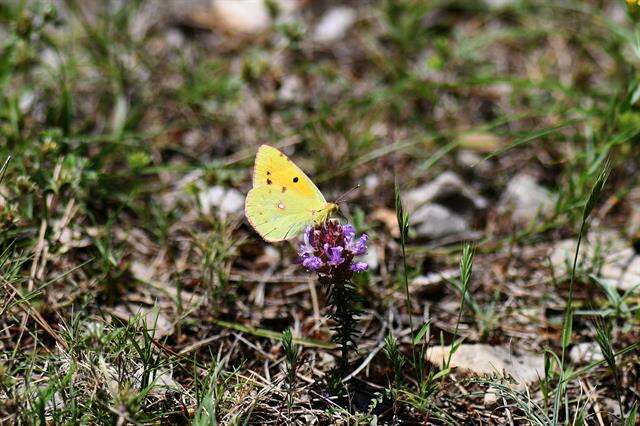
<point>283,200</point>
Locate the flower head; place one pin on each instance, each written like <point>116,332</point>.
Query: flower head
<point>331,248</point>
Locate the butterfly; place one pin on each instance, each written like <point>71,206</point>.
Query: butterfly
<point>283,200</point>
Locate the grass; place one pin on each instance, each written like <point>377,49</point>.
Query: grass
<point>128,296</point>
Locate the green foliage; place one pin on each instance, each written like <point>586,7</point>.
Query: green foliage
<point>114,117</point>
<point>393,354</point>
<point>567,324</point>
<point>291,357</point>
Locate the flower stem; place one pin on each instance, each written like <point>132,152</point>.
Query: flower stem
<point>342,300</point>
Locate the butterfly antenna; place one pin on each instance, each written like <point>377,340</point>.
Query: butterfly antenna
<point>344,196</point>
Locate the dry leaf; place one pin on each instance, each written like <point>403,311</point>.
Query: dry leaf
<point>389,219</point>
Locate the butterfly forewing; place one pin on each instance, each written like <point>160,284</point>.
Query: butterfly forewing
<point>283,200</point>
<point>273,168</point>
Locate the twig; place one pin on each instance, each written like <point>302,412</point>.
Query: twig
<point>366,362</point>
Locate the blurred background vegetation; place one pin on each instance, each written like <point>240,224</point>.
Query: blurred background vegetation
<point>135,292</point>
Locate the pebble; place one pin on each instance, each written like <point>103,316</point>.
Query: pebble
<point>435,221</point>
<point>334,24</point>
<point>227,201</point>
<point>447,189</point>
<point>525,200</point>
<point>585,352</point>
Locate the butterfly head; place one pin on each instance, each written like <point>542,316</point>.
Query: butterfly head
<point>332,208</point>
<point>321,216</point>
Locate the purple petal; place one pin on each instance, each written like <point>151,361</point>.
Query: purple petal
<point>335,255</point>
<point>312,263</point>
<point>349,232</point>
<point>307,245</point>
<point>359,267</point>
<point>360,247</point>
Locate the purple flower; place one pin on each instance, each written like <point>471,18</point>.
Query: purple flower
<point>349,232</point>
<point>312,263</point>
<point>359,247</point>
<point>330,248</point>
<point>334,254</point>
<point>306,247</point>
<point>359,267</point>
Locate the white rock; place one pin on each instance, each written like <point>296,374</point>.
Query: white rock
<point>490,360</point>
<point>233,202</point>
<point>435,221</point>
<point>26,100</point>
<point>269,258</point>
<point>141,271</point>
<point>633,223</point>
<point>432,282</point>
<point>175,38</point>
<point>210,197</point>
<point>371,258</point>
<point>371,182</point>
<point>109,376</point>
<point>163,380</point>
<point>525,200</point>
<point>499,4</point>
<point>248,17</point>
<point>585,352</point>
<point>334,25</point>
<point>446,185</point>
<point>491,397</point>
<point>158,324</point>
<point>49,57</point>
<point>292,89</point>
<point>227,201</point>
<point>619,263</point>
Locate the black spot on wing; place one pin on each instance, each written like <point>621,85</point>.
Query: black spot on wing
<point>295,179</point>
<point>284,188</point>
<point>268,181</point>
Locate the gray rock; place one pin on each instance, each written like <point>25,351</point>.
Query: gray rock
<point>447,186</point>
<point>473,161</point>
<point>585,352</point>
<point>433,282</point>
<point>525,200</point>
<point>435,221</point>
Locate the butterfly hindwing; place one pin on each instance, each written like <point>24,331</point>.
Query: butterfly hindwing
<point>276,216</point>
<point>283,200</point>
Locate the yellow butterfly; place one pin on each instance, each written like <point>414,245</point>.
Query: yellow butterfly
<point>283,200</point>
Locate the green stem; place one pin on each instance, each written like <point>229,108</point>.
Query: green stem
<point>567,317</point>
<point>343,302</point>
<point>408,307</point>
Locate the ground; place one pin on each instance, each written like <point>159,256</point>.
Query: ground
<point>488,138</point>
